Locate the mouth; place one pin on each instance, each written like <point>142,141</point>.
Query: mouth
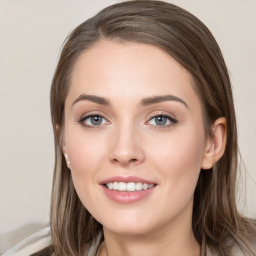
<point>126,190</point>
<point>128,187</point>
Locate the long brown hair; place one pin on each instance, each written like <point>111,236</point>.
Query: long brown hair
<point>216,221</point>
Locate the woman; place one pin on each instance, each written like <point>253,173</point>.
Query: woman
<point>145,139</point>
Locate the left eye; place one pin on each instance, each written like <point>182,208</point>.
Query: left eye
<point>93,120</point>
<point>162,120</point>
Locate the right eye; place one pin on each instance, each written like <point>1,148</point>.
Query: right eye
<point>92,121</point>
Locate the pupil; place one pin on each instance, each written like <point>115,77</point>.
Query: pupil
<point>96,120</point>
<point>161,120</point>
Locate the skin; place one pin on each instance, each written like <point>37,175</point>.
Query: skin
<point>129,142</point>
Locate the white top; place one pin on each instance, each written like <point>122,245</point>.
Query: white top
<point>32,244</point>
<point>41,240</point>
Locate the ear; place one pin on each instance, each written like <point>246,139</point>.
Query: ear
<point>66,156</point>
<point>216,143</point>
<point>62,144</point>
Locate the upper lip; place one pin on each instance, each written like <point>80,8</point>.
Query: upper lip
<point>126,180</point>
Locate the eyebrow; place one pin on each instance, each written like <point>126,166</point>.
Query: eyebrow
<point>144,102</point>
<point>158,99</point>
<point>92,98</point>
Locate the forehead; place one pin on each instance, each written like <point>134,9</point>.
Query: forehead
<point>130,70</point>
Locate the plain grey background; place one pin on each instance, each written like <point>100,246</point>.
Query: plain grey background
<point>31,35</point>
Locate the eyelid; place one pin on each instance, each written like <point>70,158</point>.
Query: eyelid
<point>94,113</point>
<point>162,113</point>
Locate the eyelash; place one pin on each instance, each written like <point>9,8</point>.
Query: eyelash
<point>171,119</point>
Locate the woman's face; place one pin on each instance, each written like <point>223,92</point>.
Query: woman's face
<point>133,123</point>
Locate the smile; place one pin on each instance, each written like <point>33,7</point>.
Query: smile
<point>130,186</point>
<point>126,190</point>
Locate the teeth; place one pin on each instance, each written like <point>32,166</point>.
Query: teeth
<point>110,186</point>
<point>115,186</point>
<point>130,186</point>
<point>138,186</point>
<point>122,186</point>
<point>145,186</point>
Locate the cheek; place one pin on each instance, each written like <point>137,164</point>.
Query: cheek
<point>179,149</point>
<point>178,160</point>
<point>86,155</point>
<point>85,152</point>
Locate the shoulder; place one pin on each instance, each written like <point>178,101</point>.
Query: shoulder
<point>33,245</point>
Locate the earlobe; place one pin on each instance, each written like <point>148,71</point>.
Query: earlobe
<point>216,144</point>
<point>67,161</point>
<point>62,145</point>
<point>66,157</point>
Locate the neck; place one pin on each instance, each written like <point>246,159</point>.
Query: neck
<point>171,239</point>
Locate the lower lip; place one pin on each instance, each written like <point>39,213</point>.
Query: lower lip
<point>127,197</point>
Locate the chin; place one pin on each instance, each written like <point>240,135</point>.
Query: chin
<point>126,229</point>
<point>128,225</point>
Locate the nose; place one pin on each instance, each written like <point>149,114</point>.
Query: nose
<point>126,147</point>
